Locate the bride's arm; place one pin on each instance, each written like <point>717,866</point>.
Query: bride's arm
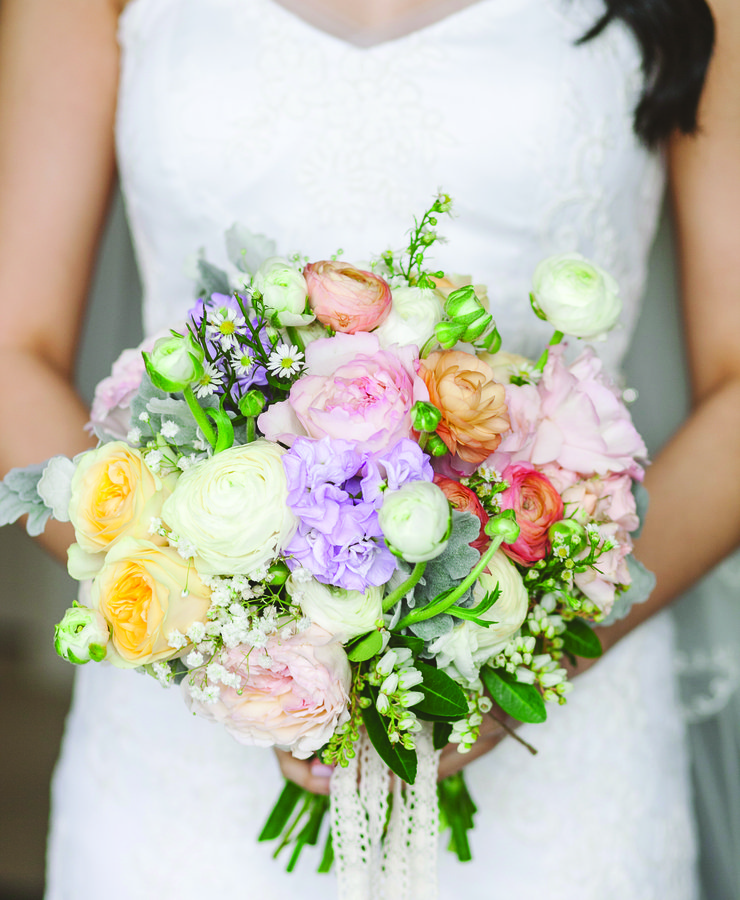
<point>57,102</point>
<point>694,517</point>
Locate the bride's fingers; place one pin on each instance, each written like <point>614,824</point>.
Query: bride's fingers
<point>312,775</point>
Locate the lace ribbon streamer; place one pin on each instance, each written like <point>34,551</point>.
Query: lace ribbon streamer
<point>375,863</point>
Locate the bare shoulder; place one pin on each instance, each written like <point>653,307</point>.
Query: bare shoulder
<point>726,13</point>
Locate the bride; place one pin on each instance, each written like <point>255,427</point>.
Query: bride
<point>329,122</point>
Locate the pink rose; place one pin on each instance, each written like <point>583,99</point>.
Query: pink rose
<point>111,406</point>
<point>583,424</point>
<point>537,506</point>
<point>345,298</point>
<point>352,390</point>
<point>603,500</point>
<point>293,693</point>
<point>463,499</point>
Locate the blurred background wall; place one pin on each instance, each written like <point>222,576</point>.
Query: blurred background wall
<point>34,591</point>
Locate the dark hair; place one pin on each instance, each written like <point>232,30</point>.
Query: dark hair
<point>676,38</point>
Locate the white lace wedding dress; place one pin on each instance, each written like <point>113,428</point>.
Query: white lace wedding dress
<point>239,110</point>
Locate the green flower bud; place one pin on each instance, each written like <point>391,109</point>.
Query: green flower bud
<point>175,363</point>
<point>448,333</point>
<point>569,532</point>
<point>278,573</point>
<point>503,525</point>
<point>82,635</point>
<point>462,302</point>
<point>425,416</point>
<point>436,446</point>
<point>252,403</point>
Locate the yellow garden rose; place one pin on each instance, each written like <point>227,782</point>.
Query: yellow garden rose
<point>139,592</point>
<point>115,493</point>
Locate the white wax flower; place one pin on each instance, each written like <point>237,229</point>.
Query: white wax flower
<point>462,651</point>
<point>344,614</point>
<point>283,290</point>
<point>233,508</point>
<point>576,296</point>
<point>415,521</point>
<point>414,313</point>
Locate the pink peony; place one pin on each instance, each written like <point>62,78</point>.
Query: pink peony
<point>293,692</point>
<point>583,425</point>
<point>345,298</point>
<point>352,390</point>
<point>537,506</point>
<point>463,499</point>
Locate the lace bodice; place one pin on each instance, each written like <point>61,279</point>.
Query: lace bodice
<point>239,110</point>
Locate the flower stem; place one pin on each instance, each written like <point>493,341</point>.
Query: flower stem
<point>436,607</point>
<point>554,340</point>
<point>251,430</point>
<point>400,592</point>
<point>202,420</point>
<point>295,337</point>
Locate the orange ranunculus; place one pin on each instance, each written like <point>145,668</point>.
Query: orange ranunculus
<point>472,404</point>
<point>463,499</point>
<point>139,591</point>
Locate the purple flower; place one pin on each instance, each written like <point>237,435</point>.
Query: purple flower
<point>391,469</point>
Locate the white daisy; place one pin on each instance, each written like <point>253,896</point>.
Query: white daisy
<point>242,361</point>
<point>223,325</point>
<point>285,360</point>
<point>210,380</point>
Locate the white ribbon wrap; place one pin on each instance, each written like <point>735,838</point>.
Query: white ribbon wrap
<point>402,864</point>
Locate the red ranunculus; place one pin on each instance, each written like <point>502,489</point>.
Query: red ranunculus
<point>536,504</point>
<point>463,499</point>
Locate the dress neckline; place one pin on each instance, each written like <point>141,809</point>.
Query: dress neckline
<point>427,17</point>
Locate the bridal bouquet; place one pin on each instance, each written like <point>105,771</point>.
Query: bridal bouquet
<point>333,510</point>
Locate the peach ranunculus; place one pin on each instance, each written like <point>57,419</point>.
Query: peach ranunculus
<point>346,298</point>
<point>114,493</point>
<point>293,692</point>
<point>472,404</point>
<point>537,506</point>
<point>464,500</point>
<point>139,592</point>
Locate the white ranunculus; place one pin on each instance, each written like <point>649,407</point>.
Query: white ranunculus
<point>414,313</point>
<point>55,486</point>
<point>344,614</point>
<point>233,508</point>
<point>462,651</point>
<point>576,296</point>
<point>284,291</point>
<point>82,635</point>
<point>415,521</point>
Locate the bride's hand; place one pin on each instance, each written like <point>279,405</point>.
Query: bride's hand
<point>310,774</point>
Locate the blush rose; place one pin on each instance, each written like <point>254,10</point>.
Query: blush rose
<point>346,298</point>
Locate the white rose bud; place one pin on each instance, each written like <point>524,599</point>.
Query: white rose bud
<point>344,614</point>
<point>234,509</point>
<point>576,296</point>
<point>415,521</point>
<point>284,291</point>
<point>82,635</point>
<point>174,363</point>
<point>413,316</point>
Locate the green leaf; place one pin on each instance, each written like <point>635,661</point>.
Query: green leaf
<point>581,640</point>
<point>442,695</point>
<point>441,735</point>
<point>366,647</point>
<point>400,761</point>
<point>282,811</point>
<point>415,644</point>
<point>224,429</point>
<point>521,701</point>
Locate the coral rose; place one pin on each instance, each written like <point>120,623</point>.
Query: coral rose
<point>472,404</point>
<point>345,298</point>
<point>293,692</point>
<point>464,500</point>
<point>537,506</point>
